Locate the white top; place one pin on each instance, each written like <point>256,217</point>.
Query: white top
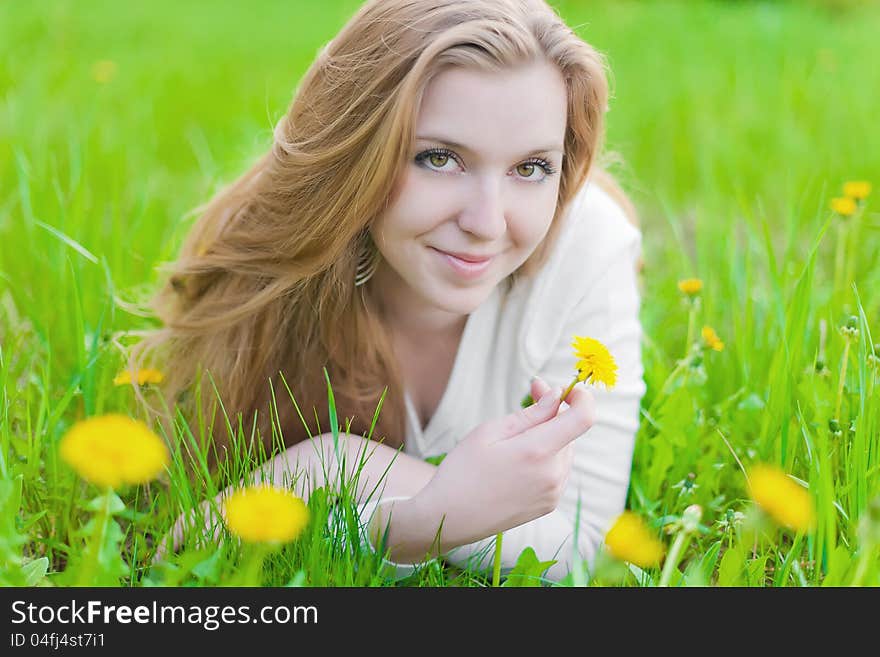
<point>588,287</point>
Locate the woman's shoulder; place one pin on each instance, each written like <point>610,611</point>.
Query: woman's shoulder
<point>596,234</point>
<point>597,229</point>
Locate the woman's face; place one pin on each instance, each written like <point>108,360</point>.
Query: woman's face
<point>481,183</point>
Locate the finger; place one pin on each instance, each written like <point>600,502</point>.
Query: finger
<point>568,425</point>
<point>523,419</point>
<point>538,388</point>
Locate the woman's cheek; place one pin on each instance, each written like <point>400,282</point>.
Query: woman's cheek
<point>533,229</point>
<point>421,208</point>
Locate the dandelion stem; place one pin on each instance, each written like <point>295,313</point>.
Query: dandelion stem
<point>692,322</point>
<point>852,239</point>
<point>86,575</point>
<point>842,380</point>
<point>838,256</point>
<point>496,566</point>
<point>660,395</point>
<point>569,389</point>
<point>674,555</point>
<point>252,568</point>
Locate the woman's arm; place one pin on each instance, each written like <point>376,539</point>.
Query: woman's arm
<point>381,471</point>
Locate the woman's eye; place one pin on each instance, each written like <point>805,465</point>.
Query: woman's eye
<point>438,159</point>
<point>527,169</point>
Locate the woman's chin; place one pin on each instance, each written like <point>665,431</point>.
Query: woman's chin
<point>462,301</point>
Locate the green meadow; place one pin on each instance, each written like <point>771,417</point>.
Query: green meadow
<point>732,126</point>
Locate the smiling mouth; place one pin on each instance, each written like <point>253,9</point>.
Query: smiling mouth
<point>465,268</point>
<point>476,260</point>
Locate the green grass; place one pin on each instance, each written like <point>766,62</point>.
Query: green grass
<point>736,122</point>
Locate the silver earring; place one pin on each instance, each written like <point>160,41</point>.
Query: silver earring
<point>368,260</point>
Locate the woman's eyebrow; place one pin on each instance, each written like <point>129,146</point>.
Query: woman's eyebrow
<point>462,147</point>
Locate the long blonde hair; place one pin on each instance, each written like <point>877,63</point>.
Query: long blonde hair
<point>264,284</point>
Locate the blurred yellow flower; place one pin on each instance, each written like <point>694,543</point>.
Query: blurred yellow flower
<point>104,70</point>
<point>111,450</point>
<point>843,205</point>
<point>265,514</point>
<point>690,286</point>
<point>595,363</point>
<point>711,338</point>
<point>629,539</point>
<point>788,503</point>
<point>143,376</point>
<point>857,189</point>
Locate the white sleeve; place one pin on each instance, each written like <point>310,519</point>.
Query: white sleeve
<point>600,471</point>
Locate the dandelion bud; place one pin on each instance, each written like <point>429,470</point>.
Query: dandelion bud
<point>690,519</point>
<point>834,428</point>
<point>850,330</point>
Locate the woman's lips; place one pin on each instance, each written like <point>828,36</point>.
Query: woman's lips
<point>465,268</point>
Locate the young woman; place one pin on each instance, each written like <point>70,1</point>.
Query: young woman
<point>431,222</point>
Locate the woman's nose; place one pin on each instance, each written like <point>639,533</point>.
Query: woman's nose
<point>484,211</point>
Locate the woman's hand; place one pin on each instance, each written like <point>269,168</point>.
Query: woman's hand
<point>508,470</point>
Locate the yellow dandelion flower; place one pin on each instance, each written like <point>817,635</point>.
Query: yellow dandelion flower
<point>265,514</point>
<point>844,206</point>
<point>114,449</point>
<point>104,70</point>
<point>690,286</point>
<point>711,338</point>
<point>629,539</point>
<point>595,363</point>
<point>143,376</point>
<point>785,501</point>
<point>857,189</point>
